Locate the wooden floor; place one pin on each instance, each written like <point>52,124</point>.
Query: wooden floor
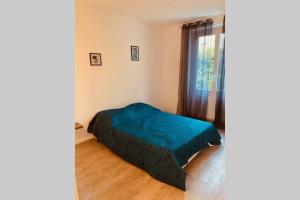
<point>102,175</point>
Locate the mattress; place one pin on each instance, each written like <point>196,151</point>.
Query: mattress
<point>161,143</point>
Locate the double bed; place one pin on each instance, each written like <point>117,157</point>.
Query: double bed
<point>158,142</point>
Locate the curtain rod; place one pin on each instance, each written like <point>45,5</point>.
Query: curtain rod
<point>198,20</point>
<point>214,25</point>
<point>202,19</point>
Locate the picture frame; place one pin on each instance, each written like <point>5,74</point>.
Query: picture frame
<point>135,53</point>
<point>95,59</point>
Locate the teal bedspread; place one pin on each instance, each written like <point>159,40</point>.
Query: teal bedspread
<point>158,142</point>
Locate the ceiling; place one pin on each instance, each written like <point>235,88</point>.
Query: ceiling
<point>160,11</point>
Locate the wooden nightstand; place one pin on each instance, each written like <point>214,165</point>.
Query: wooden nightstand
<point>76,191</point>
<point>81,134</point>
<point>78,126</point>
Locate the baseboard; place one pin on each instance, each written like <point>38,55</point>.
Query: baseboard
<point>210,120</point>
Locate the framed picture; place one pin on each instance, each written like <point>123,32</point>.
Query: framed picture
<point>135,53</point>
<point>95,59</point>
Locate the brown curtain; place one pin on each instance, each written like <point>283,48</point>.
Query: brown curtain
<point>192,101</point>
<point>219,120</point>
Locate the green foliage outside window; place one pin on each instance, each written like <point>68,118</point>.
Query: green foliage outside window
<point>206,73</point>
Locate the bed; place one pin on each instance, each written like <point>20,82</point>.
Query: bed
<point>158,142</point>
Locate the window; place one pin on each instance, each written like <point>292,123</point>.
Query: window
<point>209,58</point>
<point>206,62</point>
<point>220,55</point>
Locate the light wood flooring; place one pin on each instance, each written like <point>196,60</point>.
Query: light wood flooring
<point>101,175</point>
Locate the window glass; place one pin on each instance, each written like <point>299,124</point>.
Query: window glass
<point>206,62</point>
<point>220,56</point>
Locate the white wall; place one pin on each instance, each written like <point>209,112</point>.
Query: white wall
<point>171,66</point>
<point>119,81</point>
<point>154,79</point>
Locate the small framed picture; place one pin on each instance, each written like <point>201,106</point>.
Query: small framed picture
<point>95,59</point>
<point>135,53</point>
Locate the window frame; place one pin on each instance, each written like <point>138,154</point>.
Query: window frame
<point>217,31</point>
